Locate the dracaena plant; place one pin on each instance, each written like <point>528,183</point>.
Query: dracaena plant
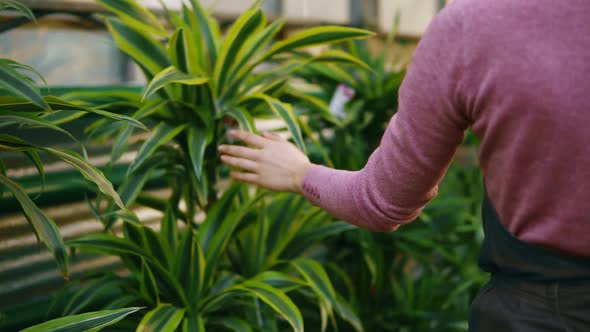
<point>193,281</point>
<point>201,81</point>
<point>23,107</point>
<point>421,278</point>
<point>361,123</point>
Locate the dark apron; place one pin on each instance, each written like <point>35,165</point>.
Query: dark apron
<point>531,288</point>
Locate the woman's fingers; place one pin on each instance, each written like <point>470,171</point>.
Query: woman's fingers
<point>249,138</point>
<point>272,136</point>
<point>241,163</point>
<point>239,151</point>
<point>245,177</point>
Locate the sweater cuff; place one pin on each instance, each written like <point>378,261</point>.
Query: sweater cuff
<point>332,190</point>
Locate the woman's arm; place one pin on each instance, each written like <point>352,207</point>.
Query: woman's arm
<point>402,175</point>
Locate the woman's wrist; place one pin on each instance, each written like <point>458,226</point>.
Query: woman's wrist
<point>300,176</point>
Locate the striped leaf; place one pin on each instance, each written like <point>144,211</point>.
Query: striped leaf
<point>284,112</point>
<point>234,324</point>
<point>315,36</point>
<point>161,135</point>
<point>197,143</point>
<point>219,226</point>
<point>44,227</point>
<point>190,266</point>
<point>348,314</point>
<point>164,318</point>
<point>341,57</point>
<point>253,47</point>
<point>247,25</point>
<point>318,280</point>
<point>141,47</point>
<point>207,30</point>
<point>277,300</point>
<point>88,322</point>
<point>8,118</point>
<point>178,51</point>
<point>89,293</point>
<point>18,6</point>
<point>61,117</point>
<point>147,284</point>
<point>242,116</point>
<point>17,105</point>
<point>316,104</point>
<point>279,280</point>
<point>135,15</point>
<point>107,244</point>
<point>169,231</point>
<point>172,75</point>
<point>194,324</point>
<point>90,172</point>
<point>17,84</point>
<point>332,72</point>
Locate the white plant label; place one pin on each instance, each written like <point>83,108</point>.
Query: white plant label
<point>342,96</point>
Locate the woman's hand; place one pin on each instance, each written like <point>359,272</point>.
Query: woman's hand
<point>270,161</point>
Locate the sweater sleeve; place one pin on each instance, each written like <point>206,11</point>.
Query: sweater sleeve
<point>403,174</point>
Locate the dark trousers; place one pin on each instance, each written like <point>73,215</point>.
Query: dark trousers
<point>505,305</point>
<point>531,288</point>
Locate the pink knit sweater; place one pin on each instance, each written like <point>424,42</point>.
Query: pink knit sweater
<point>518,74</point>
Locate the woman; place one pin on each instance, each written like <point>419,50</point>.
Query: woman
<point>517,73</point>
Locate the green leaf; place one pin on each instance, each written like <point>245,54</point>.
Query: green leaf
<point>341,57</point>
<point>121,143</point>
<point>315,36</point>
<point>90,172</point>
<point>17,5</point>
<point>277,300</point>
<point>7,118</point>
<point>17,105</point>
<point>221,222</point>
<point>279,280</point>
<point>316,104</point>
<point>190,266</point>
<point>245,26</point>
<point>81,299</point>
<point>347,313</point>
<point>206,32</point>
<point>44,227</point>
<point>194,324</point>
<point>242,116</point>
<point>17,84</point>
<point>88,322</point>
<point>147,284</point>
<point>234,324</point>
<point>169,231</point>
<point>61,117</point>
<point>319,282</point>
<point>109,244</point>
<point>144,49</point>
<point>134,183</point>
<point>165,318</point>
<point>284,112</point>
<point>172,75</point>
<point>197,143</point>
<point>3,172</point>
<point>178,51</point>
<point>161,135</point>
<point>253,46</point>
<point>20,66</point>
<point>34,157</point>
<point>135,15</point>
<point>334,73</point>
